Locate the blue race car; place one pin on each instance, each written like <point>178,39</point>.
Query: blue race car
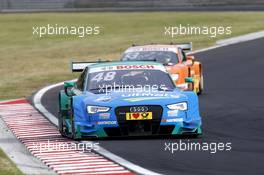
<point>126,99</point>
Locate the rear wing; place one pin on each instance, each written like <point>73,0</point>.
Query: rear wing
<point>185,46</point>
<point>78,66</point>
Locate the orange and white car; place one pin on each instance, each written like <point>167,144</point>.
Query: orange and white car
<point>184,69</point>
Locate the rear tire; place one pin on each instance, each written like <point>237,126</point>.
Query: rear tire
<point>60,120</point>
<point>73,134</point>
<point>201,84</point>
<point>61,126</point>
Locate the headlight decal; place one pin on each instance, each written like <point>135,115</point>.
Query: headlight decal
<point>182,106</point>
<point>97,109</point>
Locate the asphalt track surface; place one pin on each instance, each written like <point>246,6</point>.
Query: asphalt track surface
<point>232,108</point>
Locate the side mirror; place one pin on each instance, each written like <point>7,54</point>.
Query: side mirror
<point>68,86</point>
<point>189,80</point>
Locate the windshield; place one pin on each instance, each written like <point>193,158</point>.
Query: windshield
<point>147,80</point>
<point>159,56</point>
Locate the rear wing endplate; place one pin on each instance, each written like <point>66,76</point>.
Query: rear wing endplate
<point>79,66</point>
<point>185,46</point>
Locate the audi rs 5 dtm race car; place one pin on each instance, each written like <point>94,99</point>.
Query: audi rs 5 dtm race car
<point>126,99</point>
<point>176,61</point>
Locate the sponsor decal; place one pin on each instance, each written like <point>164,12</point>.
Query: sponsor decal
<point>174,96</point>
<point>147,96</point>
<point>107,122</point>
<point>108,68</point>
<point>139,116</point>
<point>174,120</point>
<point>122,67</point>
<point>172,113</point>
<point>103,99</point>
<point>155,48</point>
<point>104,115</point>
<point>142,99</point>
<point>127,67</point>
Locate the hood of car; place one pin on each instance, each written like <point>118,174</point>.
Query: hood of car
<point>135,98</point>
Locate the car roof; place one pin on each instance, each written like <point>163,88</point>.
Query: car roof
<point>153,47</point>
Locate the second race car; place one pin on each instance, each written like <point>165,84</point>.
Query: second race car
<point>173,56</point>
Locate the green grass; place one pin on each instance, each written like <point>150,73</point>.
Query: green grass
<point>7,167</point>
<point>28,62</point>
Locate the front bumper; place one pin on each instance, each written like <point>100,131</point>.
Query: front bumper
<point>138,128</point>
<point>164,122</point>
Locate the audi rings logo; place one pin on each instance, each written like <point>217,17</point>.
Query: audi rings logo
<point>139,109</point>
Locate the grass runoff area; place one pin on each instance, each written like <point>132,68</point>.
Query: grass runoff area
<point>7,167</point>
<point>29,62</point>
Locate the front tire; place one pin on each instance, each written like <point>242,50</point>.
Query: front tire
<point>73,129</point>
<point>73,134</point>
<point>201,84</point>
<point>61,126</point>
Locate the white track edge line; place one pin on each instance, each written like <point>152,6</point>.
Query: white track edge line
<point>233,40</point>
<point>37,102</point>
